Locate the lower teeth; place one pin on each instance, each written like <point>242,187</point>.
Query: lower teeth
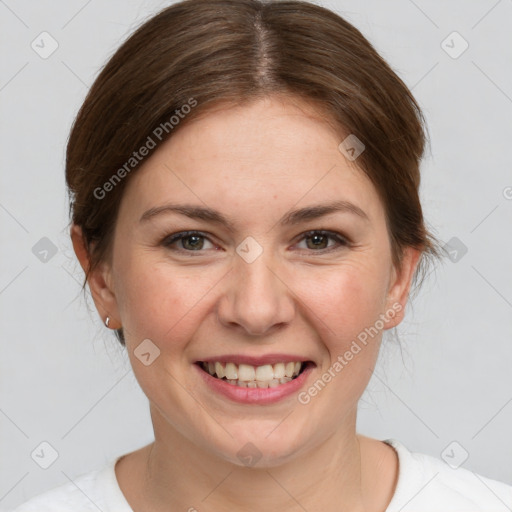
<point>258,384</point>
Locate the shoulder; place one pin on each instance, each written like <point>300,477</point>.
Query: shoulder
<point>89,492</point>
<point>69,496</point>
<point>428,484</point>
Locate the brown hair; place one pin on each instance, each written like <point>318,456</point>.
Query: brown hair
<point>236,51</point>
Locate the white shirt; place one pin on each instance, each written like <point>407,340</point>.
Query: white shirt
<point>425,484</point>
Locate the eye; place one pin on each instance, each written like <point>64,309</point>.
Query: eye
<point>318,240</point>
<point>190,241</point>
<point>194,241</point>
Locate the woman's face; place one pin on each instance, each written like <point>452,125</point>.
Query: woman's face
<point>258,290</point>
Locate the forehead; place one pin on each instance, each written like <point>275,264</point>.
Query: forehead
<point>270,153</point>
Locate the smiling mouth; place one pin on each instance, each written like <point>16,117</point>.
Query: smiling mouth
<point>248,376</point>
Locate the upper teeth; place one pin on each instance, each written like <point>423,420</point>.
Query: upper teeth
<point>247,372</point>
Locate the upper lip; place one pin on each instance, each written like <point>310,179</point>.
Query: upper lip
<point>255,360</point>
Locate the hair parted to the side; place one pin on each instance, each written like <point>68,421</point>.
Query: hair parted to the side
<point>235,52</point>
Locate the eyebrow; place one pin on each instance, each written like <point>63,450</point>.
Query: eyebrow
<point>289,219</point>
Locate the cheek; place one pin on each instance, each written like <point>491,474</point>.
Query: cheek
<point>159,301</point>
<point>342,303</point>
<point>166,302</point>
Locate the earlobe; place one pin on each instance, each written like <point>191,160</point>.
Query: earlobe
<point>99,281</point>
<point>400,285</point>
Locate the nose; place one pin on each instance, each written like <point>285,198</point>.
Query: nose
<point>257,299</point>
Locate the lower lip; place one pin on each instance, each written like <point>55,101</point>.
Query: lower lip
<point>255,395</point>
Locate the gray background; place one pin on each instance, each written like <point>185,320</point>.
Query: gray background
<point>64,378</point>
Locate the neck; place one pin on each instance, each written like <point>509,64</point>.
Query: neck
<point>179,474</point>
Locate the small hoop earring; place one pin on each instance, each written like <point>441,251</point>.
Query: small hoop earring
<point>107,321</point>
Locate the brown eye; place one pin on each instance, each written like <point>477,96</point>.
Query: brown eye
<point>190,241</point>
<point>318,241</point>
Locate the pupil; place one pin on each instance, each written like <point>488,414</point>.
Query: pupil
<point>193,245</point>
<point>316,238</point>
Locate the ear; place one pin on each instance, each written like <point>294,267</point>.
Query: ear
<point>99,281</point>
<point>399,286</point>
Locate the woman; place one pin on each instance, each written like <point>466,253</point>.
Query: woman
<point>244,195</point>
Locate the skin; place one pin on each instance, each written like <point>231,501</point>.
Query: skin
<point>253,164</point>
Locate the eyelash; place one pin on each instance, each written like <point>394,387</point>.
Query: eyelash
<point>168,241</point>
